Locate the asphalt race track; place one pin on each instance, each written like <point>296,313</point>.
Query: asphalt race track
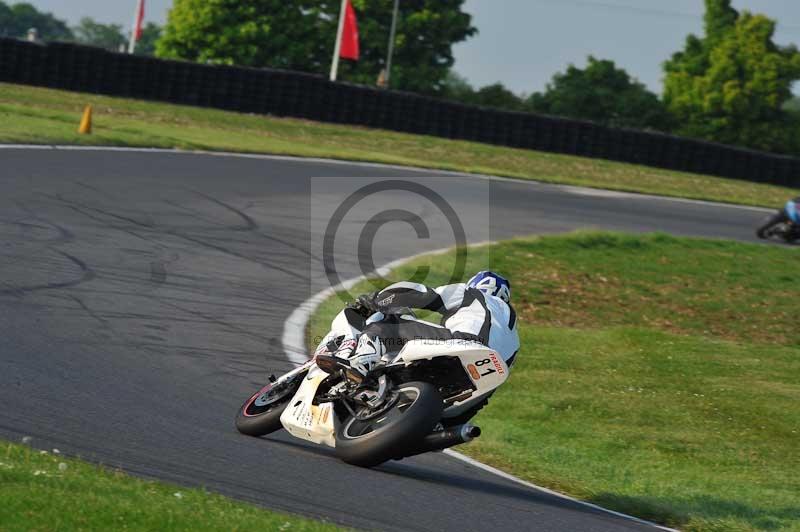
<point>142,299</point>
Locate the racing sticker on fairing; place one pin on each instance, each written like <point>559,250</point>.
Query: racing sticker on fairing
<point>485,367</point>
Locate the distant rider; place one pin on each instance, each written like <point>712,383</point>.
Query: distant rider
<point>479,311</point>
<point>789,215</point>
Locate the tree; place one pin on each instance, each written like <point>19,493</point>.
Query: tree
<point>455,87</point>
<point>732,84</point>
<point>108,36</point>
<point>793,105</point>
<point>719,17</point>
<point>17,19</point>
<point>499,97</point>
<point>300,35</point>
<point>258,33</point>
<point>604,94</point>
<point>147,43</point>
<point>426,32</point>
<point>6,21</point>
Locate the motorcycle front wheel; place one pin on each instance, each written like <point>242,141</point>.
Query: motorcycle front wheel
<point>261,414</point>
<point>765,230</point>
<point>370,440</point>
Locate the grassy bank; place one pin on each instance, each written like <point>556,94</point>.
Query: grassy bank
<point>42,116</point>
<point>659,376</point>
<point>45,491</point>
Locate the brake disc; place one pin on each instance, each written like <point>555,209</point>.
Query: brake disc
<point>366,413</point>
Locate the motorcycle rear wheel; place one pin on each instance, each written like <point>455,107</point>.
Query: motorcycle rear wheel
<point>375,440</point>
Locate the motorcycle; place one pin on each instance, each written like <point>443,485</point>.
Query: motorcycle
<point>783,225</point>
<point>414,401</point>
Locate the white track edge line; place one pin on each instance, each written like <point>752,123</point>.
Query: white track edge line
<point>570,189</point>
<point>294,345</point>
<point>512,478</point>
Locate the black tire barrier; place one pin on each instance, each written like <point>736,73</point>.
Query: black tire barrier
<point>88,69</point>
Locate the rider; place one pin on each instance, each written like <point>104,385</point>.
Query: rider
<point>789,214</point>
<point>479,310</point>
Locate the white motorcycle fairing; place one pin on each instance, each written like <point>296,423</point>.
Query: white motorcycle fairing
<point>486,368</point>
<point>307,421</point>
<point>318,423</point>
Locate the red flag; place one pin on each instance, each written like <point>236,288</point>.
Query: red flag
<point>350,48</point>
<point>137,28</point>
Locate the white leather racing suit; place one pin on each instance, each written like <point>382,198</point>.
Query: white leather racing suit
<point>467,313</point>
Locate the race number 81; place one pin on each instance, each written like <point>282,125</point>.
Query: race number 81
<point>489,370</point>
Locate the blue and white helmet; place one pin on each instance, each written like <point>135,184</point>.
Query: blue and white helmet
<point>491,284</point>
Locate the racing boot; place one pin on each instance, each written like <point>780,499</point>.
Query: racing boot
<point>367,354</point>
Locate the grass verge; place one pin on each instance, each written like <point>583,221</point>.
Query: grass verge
<point>44,116</point>
<point>46,491</point>
<point>658,376</point>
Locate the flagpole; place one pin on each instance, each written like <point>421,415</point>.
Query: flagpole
<point>392,35</point>
<point>338,48</point>
<point>132,44</point>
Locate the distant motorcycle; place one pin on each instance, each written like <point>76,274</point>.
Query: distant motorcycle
<point>783,225</point>
<point>412,402</point>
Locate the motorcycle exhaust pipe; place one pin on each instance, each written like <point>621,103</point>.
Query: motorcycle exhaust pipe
<point>443,439</point>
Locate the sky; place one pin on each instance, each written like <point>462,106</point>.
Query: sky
<point>522,43</point>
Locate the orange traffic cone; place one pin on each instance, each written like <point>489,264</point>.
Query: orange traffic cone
<point>86,121</point>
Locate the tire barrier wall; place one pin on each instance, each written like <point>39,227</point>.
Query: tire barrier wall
<point>294,94</point>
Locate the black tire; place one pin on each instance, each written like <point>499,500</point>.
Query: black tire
<point>261,415</point>
<point>390,435</point>
<point>763,230</point>
<point>792,235</point>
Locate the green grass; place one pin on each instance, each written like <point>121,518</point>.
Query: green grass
<point>43,116</point>
<point>658,376</point>
<point>46,491</point>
